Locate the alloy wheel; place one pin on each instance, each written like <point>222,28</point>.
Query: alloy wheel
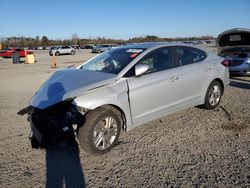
<point>105,133</point>
<point>214,95</point>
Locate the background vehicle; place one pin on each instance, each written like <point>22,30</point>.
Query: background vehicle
<point>88,46</point>
<point>234,45</point>
<point>123,88</point>
<point>75,46</point>
<point>62,50</point>
<point>101,48</point>
<point>9,52</point>
<point>189,42</point>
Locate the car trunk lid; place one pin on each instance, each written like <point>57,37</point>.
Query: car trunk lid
<point>234,42</point>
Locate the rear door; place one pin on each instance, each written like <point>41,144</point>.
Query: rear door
<point>104,48</point>
<point>69,49</point>
<point>194,73</point>
<point>157,91</point>
<point>64,50</point>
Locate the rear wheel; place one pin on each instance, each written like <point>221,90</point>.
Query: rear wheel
<point>72,52</point>
<point>213,95</point>
<point>100,131</point>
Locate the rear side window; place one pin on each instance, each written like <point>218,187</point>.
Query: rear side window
<point>187,55</point>
<point>65,47</point>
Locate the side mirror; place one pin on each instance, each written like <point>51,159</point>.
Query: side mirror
<point>140,69</point>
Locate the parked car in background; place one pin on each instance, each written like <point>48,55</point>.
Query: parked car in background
<point>101,48</point>
<point>9,52</point>
<point>89,46</point>
<point>75,46</point>
<point>54,47</point>
<point>62,50</point>
<point>234,45</point>
<point>123,88</point>
<point>189,42</point>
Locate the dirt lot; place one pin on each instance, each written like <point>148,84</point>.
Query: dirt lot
<point>192,148</point>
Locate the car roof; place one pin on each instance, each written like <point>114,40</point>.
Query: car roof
<point>145,45</point>
<point>148,45</point>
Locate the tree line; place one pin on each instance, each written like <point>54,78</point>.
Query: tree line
<point>31,42</point>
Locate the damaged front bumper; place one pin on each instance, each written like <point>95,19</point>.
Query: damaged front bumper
<point>48,131</point>
<point>53,125</point>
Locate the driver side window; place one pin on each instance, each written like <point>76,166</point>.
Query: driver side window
<point>158,60</point>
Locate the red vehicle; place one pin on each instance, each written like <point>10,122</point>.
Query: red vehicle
<point>9,52</point>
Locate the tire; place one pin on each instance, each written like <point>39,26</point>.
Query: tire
<point>72,52</point>
<point>57,53</point>
<point>213,95</point>
<point>94,136</point>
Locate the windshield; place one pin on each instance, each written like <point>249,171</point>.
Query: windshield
<point>112,61</point>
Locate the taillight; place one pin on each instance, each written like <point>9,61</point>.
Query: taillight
<point>226,63</point>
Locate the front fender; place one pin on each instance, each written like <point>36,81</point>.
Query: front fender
<point>114,94</point>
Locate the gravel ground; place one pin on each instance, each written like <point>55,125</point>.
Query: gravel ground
<point>192,148</point>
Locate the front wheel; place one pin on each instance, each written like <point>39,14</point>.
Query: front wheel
<point>213,95</point>
<point>72,52</point>
<point>100,131</point>
<point>57,53</point>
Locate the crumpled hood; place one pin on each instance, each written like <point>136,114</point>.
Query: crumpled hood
<point>233,40</point>
<point>67,84</point>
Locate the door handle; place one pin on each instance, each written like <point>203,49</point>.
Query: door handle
<point>209,69</point>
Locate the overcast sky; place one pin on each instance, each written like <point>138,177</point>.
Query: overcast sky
<point>59,19</point>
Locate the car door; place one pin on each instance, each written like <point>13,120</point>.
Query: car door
<point>104,48</point>
<point>68,49</point>
<point>63,50</point>
<point>193,74</point>
<point>157,91</point>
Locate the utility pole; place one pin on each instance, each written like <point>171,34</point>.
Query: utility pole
<point>1,46</point>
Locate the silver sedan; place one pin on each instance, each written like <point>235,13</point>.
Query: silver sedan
<point>122,89</point>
